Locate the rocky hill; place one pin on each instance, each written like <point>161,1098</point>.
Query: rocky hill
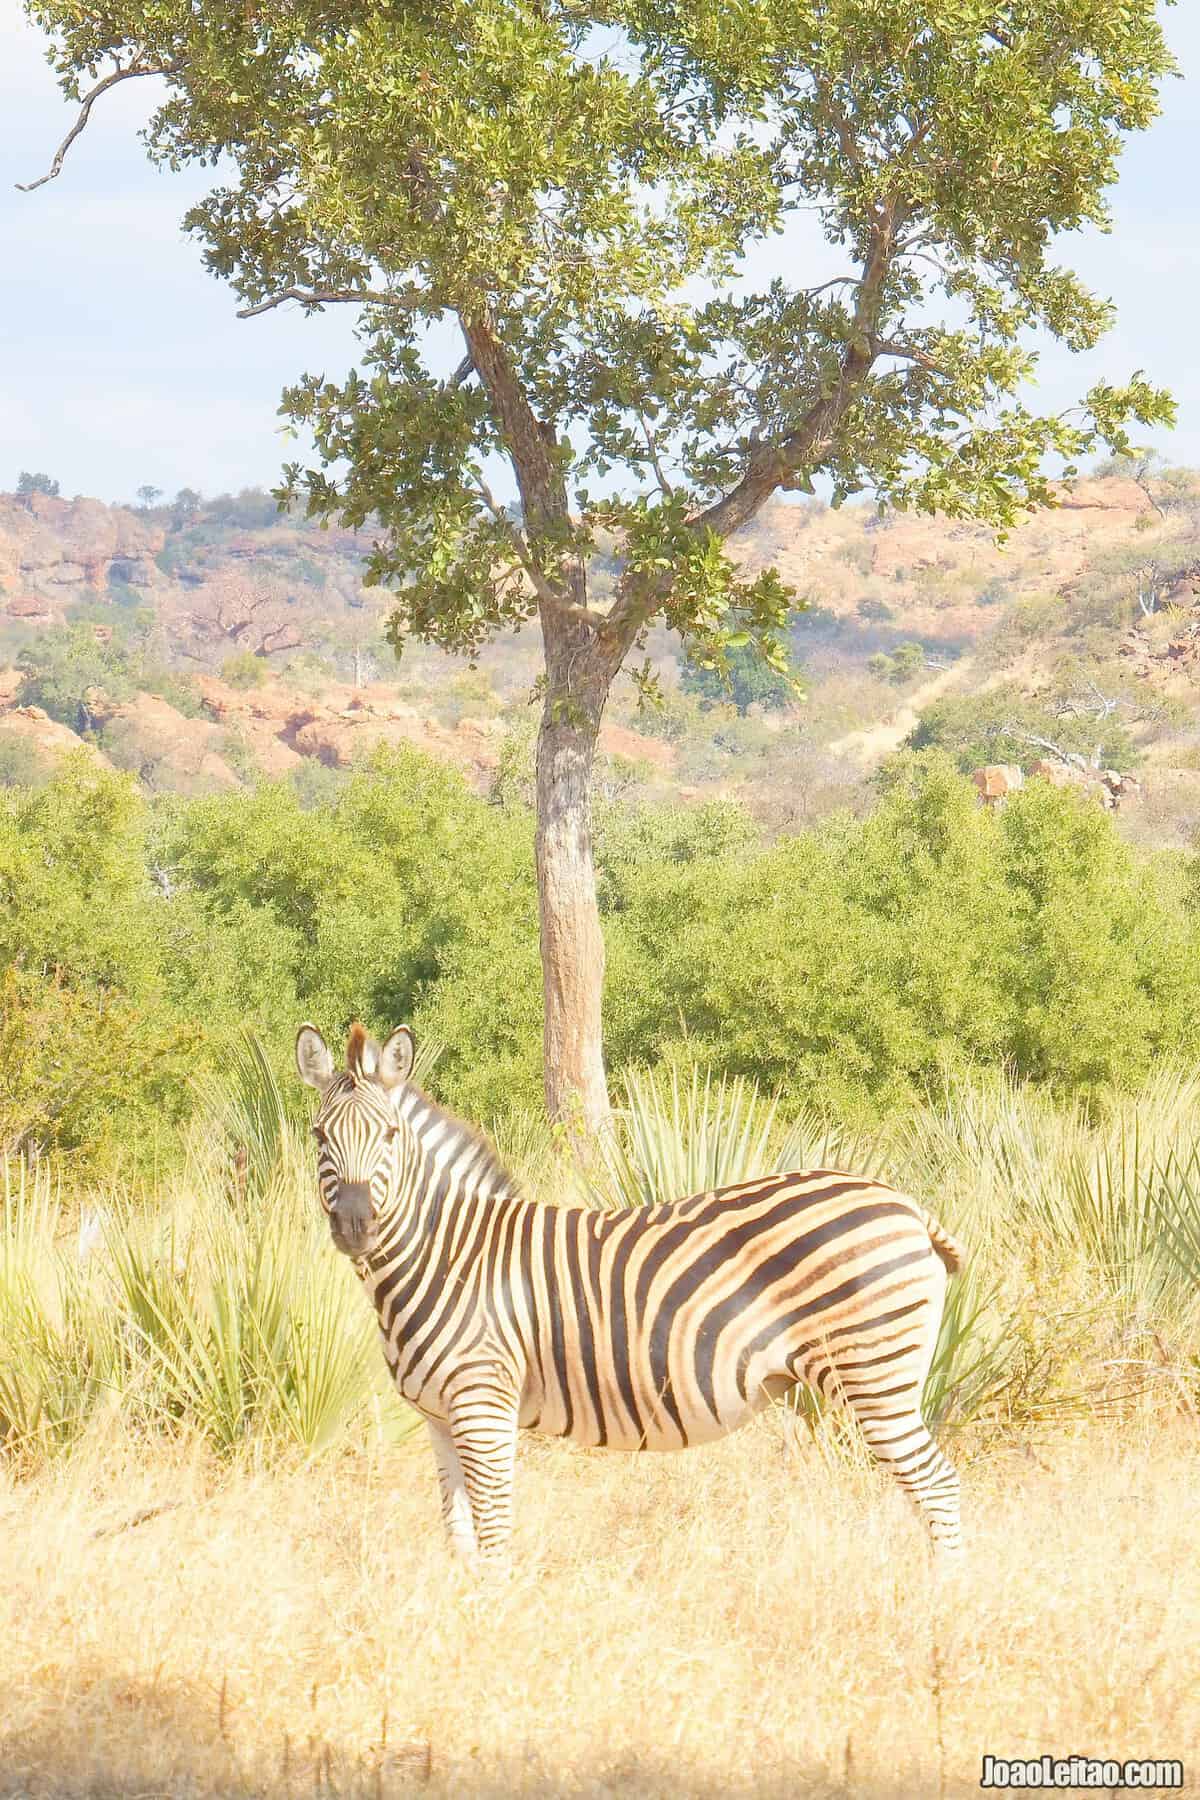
<point>204,643</point>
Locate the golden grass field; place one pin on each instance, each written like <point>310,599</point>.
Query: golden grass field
<point>757,1618</point>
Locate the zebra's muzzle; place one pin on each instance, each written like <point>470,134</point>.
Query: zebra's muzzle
<point>352,1219</point>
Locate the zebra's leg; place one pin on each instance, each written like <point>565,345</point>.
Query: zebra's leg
<point>899,1440</point>
<point>456,1502</point>
<point>483,1421</point>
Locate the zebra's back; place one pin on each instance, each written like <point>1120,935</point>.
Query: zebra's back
<point>661,1328</point>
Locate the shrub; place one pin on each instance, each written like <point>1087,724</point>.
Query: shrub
<point>21,765</point>
<point>745,681</point>
<point>858,552</point>
<point>867,961</point>
<point>863,963</point>
<point>244,670</point>
<point>899,665</point>
<point>60,666</point>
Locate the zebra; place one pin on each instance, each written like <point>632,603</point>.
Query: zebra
<point>653,1328</point>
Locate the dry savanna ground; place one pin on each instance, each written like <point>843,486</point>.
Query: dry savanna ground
<point>757,1618</point>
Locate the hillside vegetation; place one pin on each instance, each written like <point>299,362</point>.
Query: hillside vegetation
<point>203,645</point>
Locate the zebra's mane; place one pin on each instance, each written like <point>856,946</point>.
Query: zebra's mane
<point>488,1170</point>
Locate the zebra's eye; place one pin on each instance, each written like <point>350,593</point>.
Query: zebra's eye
<point>392,1133</point>
<point>319,1134</point>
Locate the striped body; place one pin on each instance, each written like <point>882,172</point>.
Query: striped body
<point>653,1328</point>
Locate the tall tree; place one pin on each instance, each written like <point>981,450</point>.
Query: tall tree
<point>572,186</point>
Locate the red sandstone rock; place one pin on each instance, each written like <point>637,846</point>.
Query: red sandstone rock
<point>31,725</point>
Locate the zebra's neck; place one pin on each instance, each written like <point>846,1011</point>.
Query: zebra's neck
<point>444,1141</point>
<point>453,1167</point>
<point>454,1188</point>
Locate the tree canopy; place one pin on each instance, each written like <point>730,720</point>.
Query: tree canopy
<point>564,224</point>
<point>578,185</point>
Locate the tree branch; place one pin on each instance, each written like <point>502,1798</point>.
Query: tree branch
<point>89,100</point>
<point>289,639</point>
<point>908,353</point>
<point>543,588</point>
<point>532,447</point>
<point>315,297</point>
<point>1069,758</point>
<point>769,465</point>
<point>652,451</point>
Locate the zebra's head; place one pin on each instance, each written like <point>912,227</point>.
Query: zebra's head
<point>357,1128</point>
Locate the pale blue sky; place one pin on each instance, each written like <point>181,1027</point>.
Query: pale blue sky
<point>121,362</point>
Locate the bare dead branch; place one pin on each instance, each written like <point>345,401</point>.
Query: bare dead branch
<point>1141,478</point>
<point>249,615</point>
<point>288,639</point>
<point>1099,706</point>
<point>1071,759</point>
<point>89,100</point>
<point>140,1517</point>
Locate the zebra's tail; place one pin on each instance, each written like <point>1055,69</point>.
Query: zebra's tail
<point>952,1253</point>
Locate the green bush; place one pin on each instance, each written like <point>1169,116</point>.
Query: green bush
<point>116,981</point>
<point>244,670</point>
<point>745,680</point>
<point>21,765</point>
<point>899,665</point>
<point>863,964</point>
<point>868,961</point>
<point>61,666</point>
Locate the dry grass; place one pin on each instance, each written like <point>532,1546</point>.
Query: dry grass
<point>757,1618</point>
<point>191,1607</point>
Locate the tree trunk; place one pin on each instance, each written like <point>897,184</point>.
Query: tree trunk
<point>580,665</point>
<point>572,943</point>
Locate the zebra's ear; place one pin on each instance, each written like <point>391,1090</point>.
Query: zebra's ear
<point>314,1064</point>
<point>396,1058</point>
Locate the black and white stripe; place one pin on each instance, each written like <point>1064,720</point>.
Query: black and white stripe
<point>650,1329</point>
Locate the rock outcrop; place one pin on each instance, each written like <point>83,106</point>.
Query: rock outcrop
<point>65,550</point>
<point>30,726</point>
<point>996,781</point>
<point>1110,786</point>
<point>161,745</point>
